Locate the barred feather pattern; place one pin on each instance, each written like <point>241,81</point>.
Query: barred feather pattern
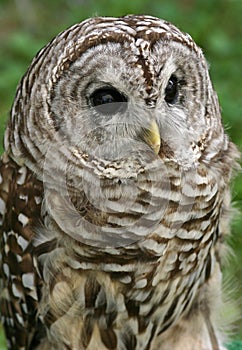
<point>108,242</point>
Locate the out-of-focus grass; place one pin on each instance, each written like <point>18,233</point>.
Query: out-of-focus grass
<point>26,25</point>
<point>2,340</point>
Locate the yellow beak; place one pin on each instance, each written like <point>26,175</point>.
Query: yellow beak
<point>152,137</point>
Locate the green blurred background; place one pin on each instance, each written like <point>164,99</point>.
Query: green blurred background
<point>27,25</point>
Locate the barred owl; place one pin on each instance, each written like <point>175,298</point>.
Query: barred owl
<point>114,193</point>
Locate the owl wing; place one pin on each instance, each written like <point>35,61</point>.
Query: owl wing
<point>20,206</point>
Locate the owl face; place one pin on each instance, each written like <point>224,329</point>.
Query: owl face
<point>136,79</point>
<point>140,90</point>
<point>121,107</point>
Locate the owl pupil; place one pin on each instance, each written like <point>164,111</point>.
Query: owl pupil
<point>171,91</point>
<point>108,101</point>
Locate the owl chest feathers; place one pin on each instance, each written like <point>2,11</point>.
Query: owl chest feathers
<point>118,292</point>
<point>119,302</point>
<point>126,290</point>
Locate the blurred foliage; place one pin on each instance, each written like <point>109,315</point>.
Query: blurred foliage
<point>27,25</point>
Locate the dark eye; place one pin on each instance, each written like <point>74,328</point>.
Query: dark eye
<point>171,91</point>
<point>108,101</point>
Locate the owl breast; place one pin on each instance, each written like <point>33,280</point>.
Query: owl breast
<point>135,255</point>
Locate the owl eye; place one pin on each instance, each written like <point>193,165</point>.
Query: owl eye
<point>108,101</point>
<point>171,90</point>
